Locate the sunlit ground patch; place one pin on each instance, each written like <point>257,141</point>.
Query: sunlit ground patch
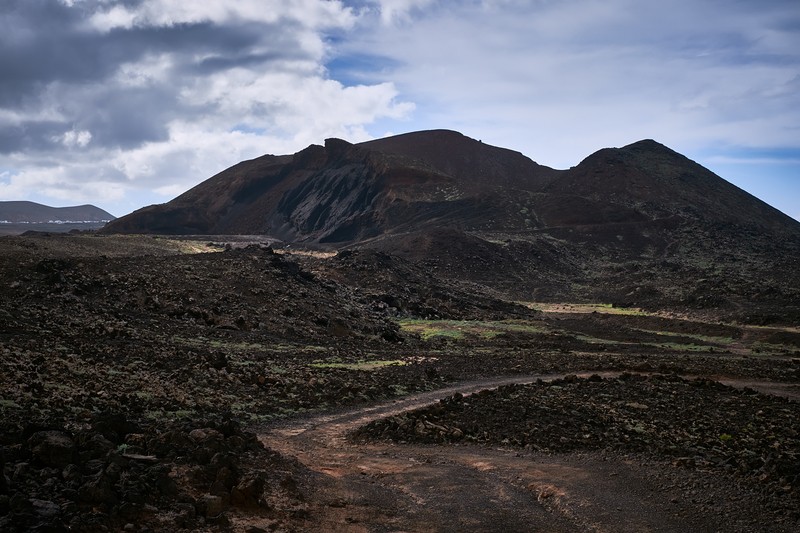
<point>459,329</point>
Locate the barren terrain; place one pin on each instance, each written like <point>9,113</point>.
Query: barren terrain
<point>211,383</point>
<point>557,485</point>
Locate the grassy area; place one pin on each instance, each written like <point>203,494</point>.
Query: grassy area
<point>760,347</point>
<point>8,404</point>
<point>585,308</point>
<point>203,342</point>
<point>681,347</point>
<point>672,346</point>
<point>189,247</point>
<point>461,329</point>
<point>160,414</point>
<point>597,340</point>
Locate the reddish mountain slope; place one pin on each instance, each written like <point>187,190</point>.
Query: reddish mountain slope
<point>344,193</point>
<point>639,225</point>
<point>478,166</point>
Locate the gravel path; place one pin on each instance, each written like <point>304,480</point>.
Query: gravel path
<point>402,486</point>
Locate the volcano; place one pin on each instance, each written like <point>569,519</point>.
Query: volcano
<point>633,225</point>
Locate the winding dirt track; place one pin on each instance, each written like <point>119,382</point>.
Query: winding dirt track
<point>387,487</point>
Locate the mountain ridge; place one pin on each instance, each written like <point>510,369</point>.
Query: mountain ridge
<point>23,211</point>
<point>641,224</point>
<point>425,169</point>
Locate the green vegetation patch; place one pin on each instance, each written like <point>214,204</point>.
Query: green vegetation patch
<point>671,346</point>
<point>203,342</point>
<point>585,308</point>
<point>8,404</point>
<point>760,347</point>
<point>163,415</point>
<point>681,347</point>
<point>597,340</point>
<point>459,329</point>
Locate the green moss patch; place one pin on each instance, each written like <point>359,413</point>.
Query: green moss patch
<point>461,329</point>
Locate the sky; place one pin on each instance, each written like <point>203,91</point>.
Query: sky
<point>126,103</point>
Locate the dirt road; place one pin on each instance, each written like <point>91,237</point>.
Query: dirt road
<point>403,487</point>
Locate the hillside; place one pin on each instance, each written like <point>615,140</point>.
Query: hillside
<point>31,212</point>
<point>439,176</point>
<point>19,217</point>
<point>638,225</point>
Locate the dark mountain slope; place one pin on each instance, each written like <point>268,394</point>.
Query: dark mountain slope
<point>32,212</point>
<point>478,166</point>
<point>210,207</point>
<point>654,180</point>
<point>638,225</point>
<point>344,193</point>
<point>337,193</point>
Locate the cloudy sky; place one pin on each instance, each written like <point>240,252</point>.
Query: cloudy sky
<point>125,103</point>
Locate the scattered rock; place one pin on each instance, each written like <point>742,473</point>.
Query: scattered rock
<point>249,489</point>
<point>213,505</point>
<point>52,448</point>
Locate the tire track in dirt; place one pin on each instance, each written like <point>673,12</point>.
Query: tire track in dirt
<point>405,487</point>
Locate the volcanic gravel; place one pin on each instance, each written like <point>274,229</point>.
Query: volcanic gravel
<point>129,368</point>
<point>700,425</point>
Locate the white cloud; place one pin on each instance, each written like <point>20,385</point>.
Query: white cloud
<point>557,80</point>
<point>76,138</point>
<point>61,184</point>
<point>313,13</point>
<point>115,17</point>
<point>400,10</point>
<point>149,71</point>
<point>177,106</point>
<point>298,112</point>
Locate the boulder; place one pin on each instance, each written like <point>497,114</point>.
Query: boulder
<point>214,505</point>
<point>52,448</point>
<point>248,491</point>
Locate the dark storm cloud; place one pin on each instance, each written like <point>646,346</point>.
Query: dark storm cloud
<point>127,118</point>
<point>50,56</point>
<point>241,46</point>
<point>66,53</point>
<point>31,52</point>
<point>33,135</point>
<point>134,101</point>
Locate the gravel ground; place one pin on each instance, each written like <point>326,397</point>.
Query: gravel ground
<point>700,425</point>
<point>114,351</point>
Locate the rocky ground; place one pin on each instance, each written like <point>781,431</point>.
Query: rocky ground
<point>135,370</point>
<point>701,425</point>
